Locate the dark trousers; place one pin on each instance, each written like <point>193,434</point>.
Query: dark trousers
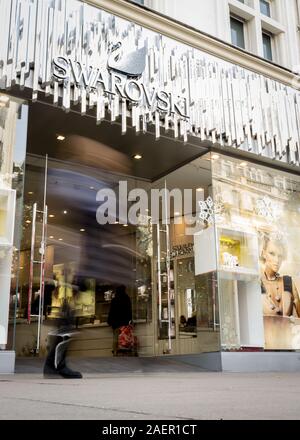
<point>57,350</point>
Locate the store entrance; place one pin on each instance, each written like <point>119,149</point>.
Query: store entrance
<point>65,252</point>
<point>84,261</point>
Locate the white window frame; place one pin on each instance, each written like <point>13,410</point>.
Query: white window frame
<point>271,9</point>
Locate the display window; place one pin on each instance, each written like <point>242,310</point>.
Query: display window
<point>258,258</point>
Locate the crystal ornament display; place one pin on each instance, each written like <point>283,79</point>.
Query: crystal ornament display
<point>210,211</point>
<point>267,208</point>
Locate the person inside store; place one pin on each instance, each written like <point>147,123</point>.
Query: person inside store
<point>182,321</point>
<point>191,324</point>
<point>280,296</point>
<point>120,314</point>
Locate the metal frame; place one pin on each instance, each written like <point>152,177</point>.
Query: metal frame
<point>41,262</point>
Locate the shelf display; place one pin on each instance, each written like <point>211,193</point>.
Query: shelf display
<point>78,291</point>
<point>142,294</point>
<point>238,253</point>
<point>187,298</point>
<point>167,301</point>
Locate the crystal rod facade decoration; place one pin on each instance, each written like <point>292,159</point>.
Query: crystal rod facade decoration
<point>81,55</point>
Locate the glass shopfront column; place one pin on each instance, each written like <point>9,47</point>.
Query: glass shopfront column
<point>13,133</point>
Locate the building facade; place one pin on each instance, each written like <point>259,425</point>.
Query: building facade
<point>142,146</point>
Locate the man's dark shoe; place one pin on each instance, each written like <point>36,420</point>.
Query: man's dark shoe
<point>67,373</point>
<point>50,372</point>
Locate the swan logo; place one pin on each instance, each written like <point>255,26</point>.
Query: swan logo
<point>133,65</point>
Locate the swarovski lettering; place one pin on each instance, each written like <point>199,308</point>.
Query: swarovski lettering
<point>111,83</point>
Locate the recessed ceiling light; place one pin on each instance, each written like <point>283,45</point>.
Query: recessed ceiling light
<point>60,137</point>
<point>215,156</point>
<point>137,156</point>
<point>65,212</point>
<point>51,215</point>
<point>243,164</point>
<point>60,239</point>
<point>91,187</point>
<point>51,236</point>
<point>176,213</point>
<point>125,226</point>
<point>30,193</point>
<point>82,230</point>
<point>28,221</point>
<point>200,189</point>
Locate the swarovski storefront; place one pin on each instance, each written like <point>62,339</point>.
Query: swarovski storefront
<point>171,172</point>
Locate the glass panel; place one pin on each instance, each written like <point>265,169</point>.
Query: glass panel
<point>13,130</point>
<point>237,33</point>
<point>258,269</point>
<point>193,288</point>
<point>30,298</point>
<point>86,261</point>
<point>265,8</point>
<point>267,46</point>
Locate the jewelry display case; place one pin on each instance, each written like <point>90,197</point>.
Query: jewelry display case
<point>237,261</point>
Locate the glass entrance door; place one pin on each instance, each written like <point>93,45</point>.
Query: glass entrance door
<point>187,305</point>
<point>31,304</point>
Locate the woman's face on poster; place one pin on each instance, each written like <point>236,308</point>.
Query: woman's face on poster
<point>273,256</point>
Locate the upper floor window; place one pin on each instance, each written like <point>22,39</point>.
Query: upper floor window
<point>267,46</point>
<point>265,7</point>
<point>237,32</point>
<point>141,2</point>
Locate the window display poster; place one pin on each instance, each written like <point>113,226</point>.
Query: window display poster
<point>279,292</point>
<point>266,203</point>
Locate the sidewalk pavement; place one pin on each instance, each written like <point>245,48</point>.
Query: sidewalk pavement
<point>147,389</point>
